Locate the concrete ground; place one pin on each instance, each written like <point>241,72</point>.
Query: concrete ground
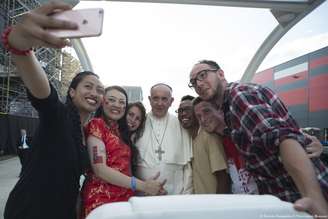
<point>9,171</point>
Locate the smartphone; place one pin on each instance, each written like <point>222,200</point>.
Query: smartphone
<point>89,21</point>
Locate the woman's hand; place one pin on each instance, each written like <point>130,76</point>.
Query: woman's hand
<point>32,32</point>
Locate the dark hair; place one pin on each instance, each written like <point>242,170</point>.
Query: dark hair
<point>74,115</point>
<point>141,127</point>
<point>187,97</point>
<point>210,63</point>
<point>196,101</point>
<point>122,126</point>
<point>138,134</point>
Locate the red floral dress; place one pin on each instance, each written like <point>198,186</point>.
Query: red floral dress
<point>96,191</point>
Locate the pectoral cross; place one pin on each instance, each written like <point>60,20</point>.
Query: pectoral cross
<point>159,151</point>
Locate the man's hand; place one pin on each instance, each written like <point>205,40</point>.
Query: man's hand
<point>315,148</point>
<point>309,205</point>
<point>300,168</point>
<point>153,182</point>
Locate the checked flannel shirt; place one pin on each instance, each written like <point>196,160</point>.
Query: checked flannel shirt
<point>257,122</point>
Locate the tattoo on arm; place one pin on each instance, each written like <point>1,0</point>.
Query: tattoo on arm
<point>96,158</point>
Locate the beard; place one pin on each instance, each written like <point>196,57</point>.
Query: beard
<point>217,96</point>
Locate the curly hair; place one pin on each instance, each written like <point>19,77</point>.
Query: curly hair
<point>187,97</point>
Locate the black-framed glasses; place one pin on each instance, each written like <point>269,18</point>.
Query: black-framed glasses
<point>200,76</point>
<point>185,109</point>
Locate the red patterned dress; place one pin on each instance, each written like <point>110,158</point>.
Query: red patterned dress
<point>96,191</point>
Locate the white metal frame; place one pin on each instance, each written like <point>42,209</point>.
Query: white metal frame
<point>287,12</point>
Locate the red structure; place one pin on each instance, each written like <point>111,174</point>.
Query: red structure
<point>302,83</point>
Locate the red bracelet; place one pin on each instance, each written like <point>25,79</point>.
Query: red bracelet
<point>11,49</point>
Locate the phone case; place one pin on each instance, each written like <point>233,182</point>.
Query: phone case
<point>90,23</point>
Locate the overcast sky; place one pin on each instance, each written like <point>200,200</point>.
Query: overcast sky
<point>147,43</point>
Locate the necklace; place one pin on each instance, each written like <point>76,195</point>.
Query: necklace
<point>159,151</point>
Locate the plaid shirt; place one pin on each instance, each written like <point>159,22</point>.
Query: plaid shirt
<point>258,122</point>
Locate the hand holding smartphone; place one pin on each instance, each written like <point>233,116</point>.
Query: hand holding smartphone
<point>89,21</point>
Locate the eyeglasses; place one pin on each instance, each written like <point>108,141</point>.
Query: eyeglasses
<point>200,77</point>
<point>186,109</point>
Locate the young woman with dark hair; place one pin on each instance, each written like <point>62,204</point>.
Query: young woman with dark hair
<point>110,179</point>
<point>49,185</point>
<point>136,118</point>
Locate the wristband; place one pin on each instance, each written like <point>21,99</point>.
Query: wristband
<point>133,184</point>
<point>11,49</point>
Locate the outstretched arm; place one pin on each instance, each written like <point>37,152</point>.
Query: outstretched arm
<point>300,168</point>
<point>31,32</point>
<point>269,126</point>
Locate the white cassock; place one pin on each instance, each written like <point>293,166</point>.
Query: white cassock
<point>166,147</point>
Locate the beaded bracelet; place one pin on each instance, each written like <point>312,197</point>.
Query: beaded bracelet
<point>133,184</point>
<point>11,49</point>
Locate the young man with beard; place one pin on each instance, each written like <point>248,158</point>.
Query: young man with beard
<point>243,181</point>
<point>208,164</point>
<point>267,137</point>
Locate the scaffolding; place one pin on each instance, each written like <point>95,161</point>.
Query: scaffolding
<point>13,98</point>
